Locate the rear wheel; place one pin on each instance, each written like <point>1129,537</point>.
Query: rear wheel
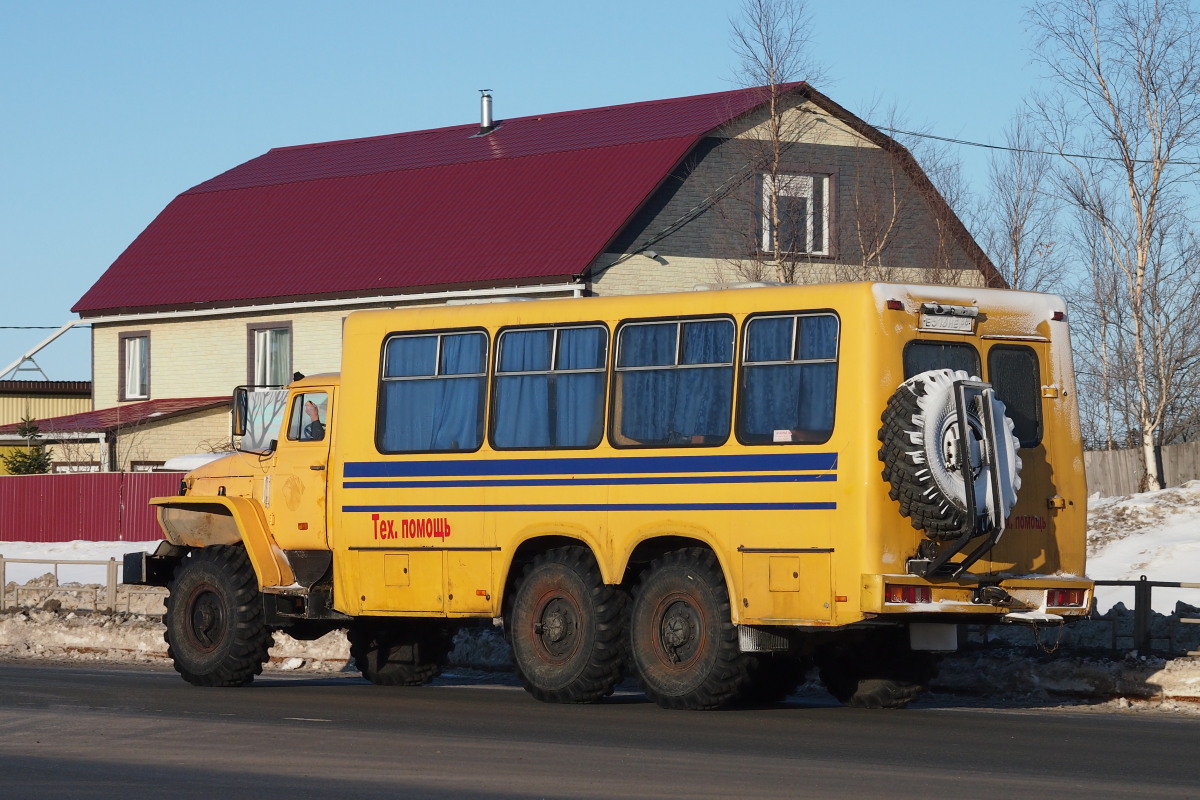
<point>774,677</point>
<point>684,644</point>
<point>567,628</point>
<point>876,671</point>
<point>216,632</point>
<point>403,653</point>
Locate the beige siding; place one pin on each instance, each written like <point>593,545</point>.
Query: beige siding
<point>806,123</point>
<point>180,436</point>
<point>638,274</point>
<point>15,408</point>
<point>207,357</point>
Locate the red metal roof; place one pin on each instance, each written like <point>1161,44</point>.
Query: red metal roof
<point>119,417</point>
<point>538,198</point>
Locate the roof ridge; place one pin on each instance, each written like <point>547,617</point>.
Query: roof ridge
<point>784,87</point>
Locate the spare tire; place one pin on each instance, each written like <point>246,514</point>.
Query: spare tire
<point>919,445</point>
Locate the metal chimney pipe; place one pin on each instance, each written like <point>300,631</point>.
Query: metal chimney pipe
<point>485,111</point>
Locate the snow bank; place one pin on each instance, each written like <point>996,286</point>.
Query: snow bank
<point>1156,534</point>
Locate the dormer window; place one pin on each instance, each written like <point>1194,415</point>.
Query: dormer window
<point>803,226</point>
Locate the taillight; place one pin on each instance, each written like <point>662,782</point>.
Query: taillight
<point>908,595</point>
<point>1061,598</point>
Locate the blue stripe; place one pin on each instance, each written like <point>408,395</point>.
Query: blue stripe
<point>666,481</point>
<point>443,468</point>
<point>419,510</point>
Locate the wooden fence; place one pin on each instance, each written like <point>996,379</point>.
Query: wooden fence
<point>1118,472</point>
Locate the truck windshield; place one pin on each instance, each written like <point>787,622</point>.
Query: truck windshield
<point>263,418</point>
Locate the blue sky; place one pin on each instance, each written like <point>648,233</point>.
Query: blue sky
<point>111,109</point>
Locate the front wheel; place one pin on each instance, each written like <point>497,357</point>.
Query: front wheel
<point>216,633</point>
<point>683,642</point>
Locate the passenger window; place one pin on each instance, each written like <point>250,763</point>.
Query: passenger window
<point>789,379</point>
<point>433,393</point>
<point>673,384</point>
<point>922,356</point>
<point>1017,379</point>
<point>310,413</point>
<point>549,388</point>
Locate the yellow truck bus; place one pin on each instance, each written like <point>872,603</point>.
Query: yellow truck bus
<point>711,492</point>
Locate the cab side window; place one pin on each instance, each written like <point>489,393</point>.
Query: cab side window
<point>309,415</point>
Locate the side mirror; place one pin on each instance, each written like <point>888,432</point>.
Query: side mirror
<point>241,410</point>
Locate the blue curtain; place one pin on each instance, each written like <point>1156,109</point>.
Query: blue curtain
<point>523,401</point>
<point>673,405</point>
<point>794,397</point>
<point>435,413</point>
<point>552,409</point>
<point>818,337</point>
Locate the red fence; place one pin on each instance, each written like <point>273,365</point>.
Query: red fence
<point>94,507</point>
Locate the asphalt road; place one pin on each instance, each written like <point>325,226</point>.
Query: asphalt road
<point>109,732</point>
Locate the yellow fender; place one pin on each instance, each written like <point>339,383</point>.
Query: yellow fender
<point>204,521</point>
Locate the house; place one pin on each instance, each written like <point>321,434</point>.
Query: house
<point>246,278</point>
<point>37,400</point>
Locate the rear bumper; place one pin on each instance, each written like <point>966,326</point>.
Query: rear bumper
<point>962,597</point>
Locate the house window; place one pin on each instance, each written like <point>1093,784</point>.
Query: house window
<point>270,357</point>
<point>135,365</point>
<point>803,214</point>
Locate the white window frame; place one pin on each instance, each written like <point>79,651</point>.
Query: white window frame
<point>798,185</point>
<point>264,362</point>
<point>136,380</point>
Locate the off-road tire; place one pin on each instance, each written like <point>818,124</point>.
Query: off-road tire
<point>774,677</point>
<point>879,671</point>
<point>400,653</point>
<point>684,646</point>
<point>216,632</point>
<point>909,460</point>
<point>567,628</point>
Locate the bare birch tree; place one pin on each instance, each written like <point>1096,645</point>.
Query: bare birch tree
<point>1126,97</point>
<point>771,42</point>
<point>1021,213</point>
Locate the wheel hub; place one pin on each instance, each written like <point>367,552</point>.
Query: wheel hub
<point>678,631</point>
<point>207,620</point>
<point>557,627</point>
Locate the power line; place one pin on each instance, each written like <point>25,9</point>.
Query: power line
<point>968,143</point>
<point>984,145</point>
<point>37,327</point>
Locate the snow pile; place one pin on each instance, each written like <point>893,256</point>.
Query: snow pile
<point>1156,534</point>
